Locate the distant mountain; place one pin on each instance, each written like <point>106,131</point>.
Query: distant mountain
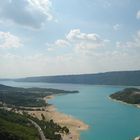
<point>108,78</point>
<point>4,79</point>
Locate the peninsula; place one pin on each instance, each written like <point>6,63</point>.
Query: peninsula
<point>128,95</point>
<point>31,109</point>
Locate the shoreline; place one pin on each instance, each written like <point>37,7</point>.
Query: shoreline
<point>122,102</point>
<point>50,112</point>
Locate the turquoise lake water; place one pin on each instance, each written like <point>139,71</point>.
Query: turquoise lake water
<point>107,119</point>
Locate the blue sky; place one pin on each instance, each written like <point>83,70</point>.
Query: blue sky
<point>51,37</point>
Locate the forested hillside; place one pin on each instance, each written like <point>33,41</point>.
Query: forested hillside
<point>108,78</point>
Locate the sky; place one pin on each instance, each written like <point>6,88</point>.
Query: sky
<point>60,37</point>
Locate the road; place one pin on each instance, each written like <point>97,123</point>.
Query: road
<point>39,129</point>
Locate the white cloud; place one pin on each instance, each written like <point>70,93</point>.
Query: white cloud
<point>134,43</point>
<point>61,43</point>
<point>27,13</point>
<point>43,6</point>
<point>87,53</point>
<point>77,35</point>
<point>117,27</point>
<point>138,15</point>
<point>8,40</point>
<point>84,42</point>
<point>80,42</point>
<point>98,57</point>
<point>42,64</point>
<point>37,64</point>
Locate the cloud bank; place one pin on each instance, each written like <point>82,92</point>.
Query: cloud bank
<point>79,41</point>
<point>8,40</point>
<point>27,13</point>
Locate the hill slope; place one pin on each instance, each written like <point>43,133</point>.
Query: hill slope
<point>29,97</point>
<point>128,95</point>
<point>108,78</point>
<point>16,127</point>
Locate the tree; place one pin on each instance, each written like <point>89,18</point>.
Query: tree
<point>43,117</point>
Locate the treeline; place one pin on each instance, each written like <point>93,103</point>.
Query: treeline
<point>30,97</point>
<point>128,95</point>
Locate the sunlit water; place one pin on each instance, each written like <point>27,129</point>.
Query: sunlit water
<point>108,120</point>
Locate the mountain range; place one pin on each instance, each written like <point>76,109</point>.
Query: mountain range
<point>129,78</point>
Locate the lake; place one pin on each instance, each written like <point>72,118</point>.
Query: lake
<point>107,119</point>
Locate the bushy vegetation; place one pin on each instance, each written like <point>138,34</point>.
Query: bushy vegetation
<point>16,127</point>
<point>51,129</point>
<point>31,97</point>
<point>128,95</point>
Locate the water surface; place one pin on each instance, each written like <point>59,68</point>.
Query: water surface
<point>107,119</point>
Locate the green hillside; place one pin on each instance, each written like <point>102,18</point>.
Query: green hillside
<point>28,97</point>
<point>128,95</point>
<point>16,127</point>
